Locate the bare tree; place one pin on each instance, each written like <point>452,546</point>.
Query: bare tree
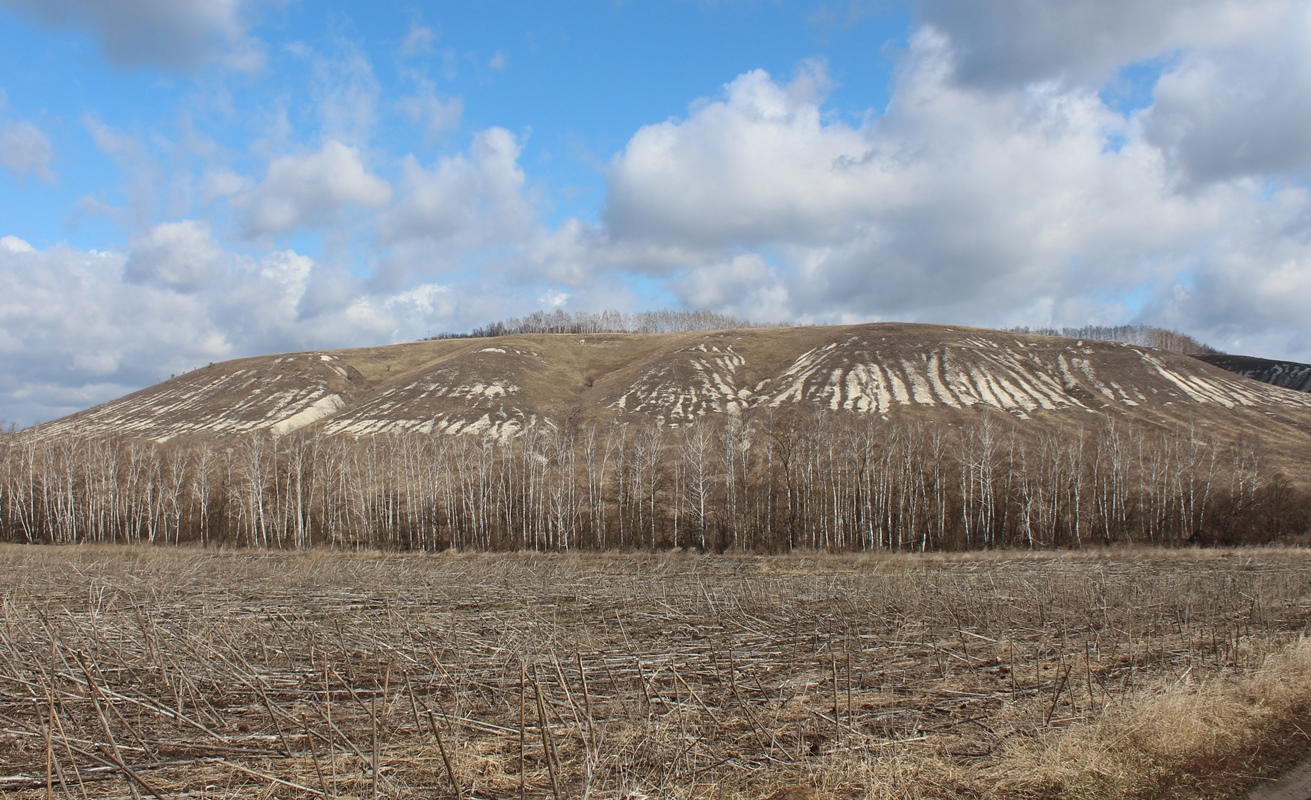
<point>695,464</point>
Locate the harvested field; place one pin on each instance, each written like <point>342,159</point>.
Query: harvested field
<point>166,673</point>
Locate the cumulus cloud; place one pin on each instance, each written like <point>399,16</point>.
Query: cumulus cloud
<point>758,165</point>
<point>83,327</point>
<point>65,332</point>
<point>1012,42</point>
<point>173,34</point>
<point>175,255</point>
<point>13,244</point>
<point>1247,294</point>
<point>583,255</point>
<point>78,328</point>
<point>1033,204</point>
<point>1005,200</point>
<point>25,150</point>
<point>1239,110</point>
<point>745,286</point>
<point>463,202</point>
<point>310,190</point>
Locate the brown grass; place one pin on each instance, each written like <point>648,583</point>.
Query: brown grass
<point>1117,674</point>
<point>577,378</point>
<point>1185,740</point>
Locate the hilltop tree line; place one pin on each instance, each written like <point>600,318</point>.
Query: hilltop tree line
<point>587,322</point>
<point>672,321</point>
<point>774,482</point>
<point>1140,335</point>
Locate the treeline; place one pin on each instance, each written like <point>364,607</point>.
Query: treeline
<point>773,482</point>
<point>672,321</point>
<point>587,322</point>
<point>1141,335</point>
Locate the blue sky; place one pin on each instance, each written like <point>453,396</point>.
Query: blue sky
<point>572,80</point>
<point>194,180</point>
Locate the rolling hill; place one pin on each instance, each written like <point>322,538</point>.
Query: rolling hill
<point>503,384</point>
<point>1286,374</point>
<point>854,437</point>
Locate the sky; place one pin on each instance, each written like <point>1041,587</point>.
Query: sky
<point>188,181</point>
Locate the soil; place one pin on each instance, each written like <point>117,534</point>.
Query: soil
<point>1292,785</point>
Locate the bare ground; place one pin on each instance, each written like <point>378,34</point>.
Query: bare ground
<point>1293,785</point>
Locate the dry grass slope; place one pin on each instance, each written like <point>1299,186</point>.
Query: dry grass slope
<point>505,383</point>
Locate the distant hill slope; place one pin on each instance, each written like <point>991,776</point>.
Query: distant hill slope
<point>851,437</point>
<point>501,385</point>
<point>1286,374</point>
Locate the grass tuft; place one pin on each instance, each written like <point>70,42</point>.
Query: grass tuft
<point>1207,740</point>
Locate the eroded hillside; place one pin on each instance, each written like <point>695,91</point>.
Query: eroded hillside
<point>849,438</point>
<point>502,385</point>
<point>1285,374</point>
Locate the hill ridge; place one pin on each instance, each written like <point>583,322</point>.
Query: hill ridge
<point>1285,374</point>
<point>501,385</point>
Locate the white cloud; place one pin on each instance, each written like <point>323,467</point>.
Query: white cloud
<point>219,181</point>
<point>996,201</point>
<point>78,328</point>
<point>744,286</point>
<point>137,162</point>
<point>175,255</point>
<point>310,190</point>
<point>82,327</point>
<point>345,91</point>
<point>756,166</point>
<point>437,114</point>
<point>69,325</point>
<point>1033,204</point>
<point>463,202</point>
<point>174,34</point>
<point>1239,110</point>
<point>582,255</point>
<point>553,298</point>
<point>13,244</point>
<point>418,40</point>
<point>25,150</point>
<point>1008,43</point>
<point>1247,294</point>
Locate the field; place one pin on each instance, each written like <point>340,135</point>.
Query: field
<point>186,673</point>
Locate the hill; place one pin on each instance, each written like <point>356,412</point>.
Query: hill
<point>502,385</point>
<point>884,436</point>
<point>1285,374</point>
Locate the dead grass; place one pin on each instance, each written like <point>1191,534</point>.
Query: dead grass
<point>1184,740</point>
<point>132,672</point>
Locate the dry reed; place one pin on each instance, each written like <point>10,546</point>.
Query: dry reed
<point>1123,673</point>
